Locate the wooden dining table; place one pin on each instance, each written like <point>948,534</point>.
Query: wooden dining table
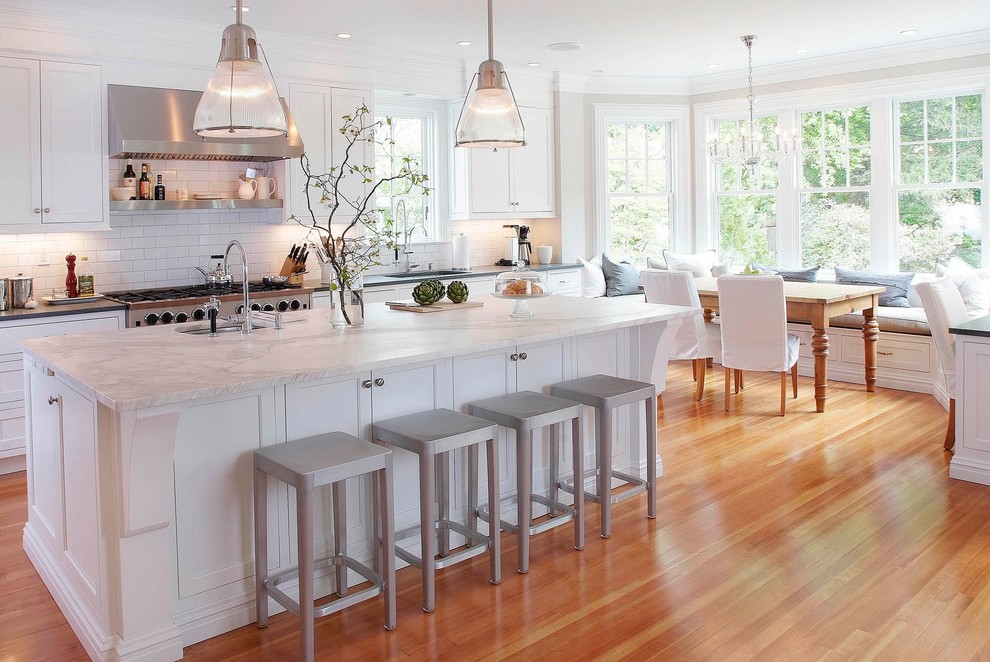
<point>816,304</point>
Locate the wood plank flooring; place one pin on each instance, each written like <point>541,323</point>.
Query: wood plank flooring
<point>834,536</point>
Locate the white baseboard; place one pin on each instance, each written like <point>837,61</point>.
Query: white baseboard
<point>970,470</point>
<point>13,464</point>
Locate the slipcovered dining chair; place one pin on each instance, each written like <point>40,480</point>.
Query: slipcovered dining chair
<point>753,316</point>
<point>944,308</point>
<point>696,340</point>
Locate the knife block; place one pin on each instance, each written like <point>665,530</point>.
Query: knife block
<point>288,267</point>
<point>296,279</point>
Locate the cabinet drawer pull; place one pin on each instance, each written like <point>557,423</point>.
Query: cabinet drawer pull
<point>513,357</point>
<point>523,356</point>
<point>52,399</point>
<point>366,383</point>
<point>379,382</point>
<point>885,353</point>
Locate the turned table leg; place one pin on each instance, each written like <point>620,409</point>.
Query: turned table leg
<point>819,347</point>
<point>871,332</point>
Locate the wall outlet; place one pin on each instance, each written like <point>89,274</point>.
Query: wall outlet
<point>42,257</point>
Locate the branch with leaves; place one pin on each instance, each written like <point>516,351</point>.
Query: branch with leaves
<point>349,230</point>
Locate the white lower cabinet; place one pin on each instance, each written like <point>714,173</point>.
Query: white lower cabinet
<point>12,422</point>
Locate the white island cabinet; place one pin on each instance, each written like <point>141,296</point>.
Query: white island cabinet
<point>140,444</point>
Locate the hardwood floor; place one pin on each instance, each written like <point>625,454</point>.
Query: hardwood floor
<point>814,536</point>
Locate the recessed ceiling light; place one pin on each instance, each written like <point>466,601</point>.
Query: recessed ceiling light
<point>597,71</point>
<point>909,32</point>
<point>564,46</point>
<point>408,94</point>
<point>532,64</point>
<point>713,65</point>
<point>245,8</point>
<point>343,35</point>
<point>801,51</point>
<point>464,42</point>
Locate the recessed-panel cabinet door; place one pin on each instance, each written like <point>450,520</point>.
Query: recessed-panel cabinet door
<point>20,142</point>
<point>73,118</point>
<point>310,106</point>
<point>532,166</point>
<point>45,461</point>
<point>489,180</point>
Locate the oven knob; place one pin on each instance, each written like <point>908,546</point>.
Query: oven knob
<point>268,307</point>
<point>151,319</point>
<point>295,304</point>
<point>181,317</point>
<point>282,306</point>
<point>199,314</point>
<point>167,317</point>
<point>255,306</point>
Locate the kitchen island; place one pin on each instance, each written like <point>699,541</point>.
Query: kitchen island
<point>140,444</point>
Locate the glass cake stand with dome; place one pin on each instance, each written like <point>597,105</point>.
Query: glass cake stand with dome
<point>521,284</point>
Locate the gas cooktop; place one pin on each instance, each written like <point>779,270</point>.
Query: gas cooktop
<point>193,292</point>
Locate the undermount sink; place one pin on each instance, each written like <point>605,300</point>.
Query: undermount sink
<point>203,329</point>
<point>428,274</point>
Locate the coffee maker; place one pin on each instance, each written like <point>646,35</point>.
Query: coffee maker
<point>511,253</point>
<point>525,246</point>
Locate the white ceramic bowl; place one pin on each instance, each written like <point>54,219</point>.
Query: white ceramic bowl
<point>121,193</point>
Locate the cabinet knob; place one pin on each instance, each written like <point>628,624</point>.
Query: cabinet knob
<point>48,210</point>
<point>52,399</point>
<point>37,210</point>
<point>513,357</point>
<point>522,356</point>
<point>366,383</point>
<point>379,382</point>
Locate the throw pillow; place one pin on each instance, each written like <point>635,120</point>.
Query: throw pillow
<point>620,277</point>
<point>592,277</point>
<point>699,264</point>
<point>655,263</point>
<point>897,284</point>
<point>971,285</point>
<point>809,275</point>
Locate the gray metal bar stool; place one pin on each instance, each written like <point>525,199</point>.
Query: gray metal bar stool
<point>525,412</point>
<point>306,465</point>
<point>605,393</point>
<point>432,435</point>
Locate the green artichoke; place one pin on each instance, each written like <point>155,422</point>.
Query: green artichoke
<point>457,291</point>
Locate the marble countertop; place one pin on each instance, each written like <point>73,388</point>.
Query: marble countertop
<point>143,367</point>
<point>384,280</point>
<point>976,327</point>
<point>46,310</point>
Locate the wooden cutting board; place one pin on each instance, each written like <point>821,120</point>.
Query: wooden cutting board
<point>437,307</point>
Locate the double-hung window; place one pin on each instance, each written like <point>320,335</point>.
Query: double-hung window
<point>940,180</point>
<point>834,191</point>
<point>642,188</point>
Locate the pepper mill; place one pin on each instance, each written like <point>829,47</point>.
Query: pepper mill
<point>71,283</point>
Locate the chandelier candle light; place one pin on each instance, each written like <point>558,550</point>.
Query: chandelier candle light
<point>490,116</point>
<point>749,149</point>
<point>241,99</point>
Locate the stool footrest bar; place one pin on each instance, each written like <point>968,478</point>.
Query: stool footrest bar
<point>277,594</point>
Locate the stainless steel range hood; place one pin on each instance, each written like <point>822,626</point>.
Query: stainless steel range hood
<point>153,123</point>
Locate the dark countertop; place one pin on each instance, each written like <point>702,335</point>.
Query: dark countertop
<point>48,310</point>
<point>978,327</point>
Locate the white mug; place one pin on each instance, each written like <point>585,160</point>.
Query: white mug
<point>544,254</point>
<point>267,187</point>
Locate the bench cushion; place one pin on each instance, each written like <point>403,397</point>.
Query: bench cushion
<point>891,319</point>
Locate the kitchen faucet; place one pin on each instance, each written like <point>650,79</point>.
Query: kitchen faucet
<point>246,322</point>
<point>405,236</point>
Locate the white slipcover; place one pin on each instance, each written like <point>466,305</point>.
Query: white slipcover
<point>944,307</point>
<point>753,317</point>
<point>696,339</point>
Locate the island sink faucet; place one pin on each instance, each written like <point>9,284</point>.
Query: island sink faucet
<point>406,251</point>
<point>246,321</point>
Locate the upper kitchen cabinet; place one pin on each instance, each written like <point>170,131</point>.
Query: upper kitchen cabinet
<point>318,111</point>
<point>515,182</point>
<point>54,146</point>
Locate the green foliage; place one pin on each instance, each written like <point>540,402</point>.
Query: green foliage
<point>747,223</point>
<point>937,224</point>
<point>638,227</point>
<point>835,230</point>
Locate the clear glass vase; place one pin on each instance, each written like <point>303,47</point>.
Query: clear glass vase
<point>347,304</point>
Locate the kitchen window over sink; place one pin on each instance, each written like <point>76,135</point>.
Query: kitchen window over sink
<point>412,130</point>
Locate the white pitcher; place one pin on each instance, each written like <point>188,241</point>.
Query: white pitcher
<point>247,189</point>
<point>267,187</point>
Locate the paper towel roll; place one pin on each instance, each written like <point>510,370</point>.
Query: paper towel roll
<point>460,253</point>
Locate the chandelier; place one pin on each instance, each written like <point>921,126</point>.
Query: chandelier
<point>749,149</point>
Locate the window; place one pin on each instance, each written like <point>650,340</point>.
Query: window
<point>642,191</point>
<point>940,180</point>
<point>409,142</point>
<point>836,174</point>
<point>638,189</point>
<point>746,200</point>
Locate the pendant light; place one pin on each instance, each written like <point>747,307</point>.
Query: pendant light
<point>490,116</point>
<point>241,99</point>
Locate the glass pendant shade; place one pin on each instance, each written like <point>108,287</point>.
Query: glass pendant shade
<point>490,117</point>
<point>241,99</point>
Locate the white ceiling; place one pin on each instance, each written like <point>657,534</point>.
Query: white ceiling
<point>665,38</point>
